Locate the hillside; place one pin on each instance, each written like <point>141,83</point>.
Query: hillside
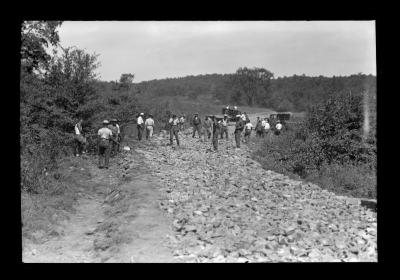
<point>294,93</point>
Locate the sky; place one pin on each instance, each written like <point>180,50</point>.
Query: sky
<point>160,49</point>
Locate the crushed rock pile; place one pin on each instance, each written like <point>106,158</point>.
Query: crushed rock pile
<point>226,208</point>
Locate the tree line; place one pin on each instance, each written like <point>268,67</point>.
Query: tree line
<point>258,87</point>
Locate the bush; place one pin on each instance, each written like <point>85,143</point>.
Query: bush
<point>347,179</point>
<point>327,148</point>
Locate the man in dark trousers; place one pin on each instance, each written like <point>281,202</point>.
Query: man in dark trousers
<point>114,139</point>
<point>216,131</point>
<point>140,126</point>
<point>174,123</point>
<point>103,144</point>
<point>259,128</point>
<point>196,122</point>
<point>224,127</point>
<point>208,123</point>
<point>238,130</point>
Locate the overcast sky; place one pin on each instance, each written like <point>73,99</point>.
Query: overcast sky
<point>161,49</point>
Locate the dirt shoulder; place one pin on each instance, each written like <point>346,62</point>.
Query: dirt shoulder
<point>116,219</point>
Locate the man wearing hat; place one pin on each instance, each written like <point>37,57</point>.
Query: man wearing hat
<point>174,122</point>
<point>238,130</point>
<point>149,124</point>
<point>182,122</point>
<point>103,144</point>
<point>208,123</point>
<point>278,127</point>
<point>140,126</point>
<point>114,139</point>
<point>196,122</point>
<point>224,127</point>
<point>266,127</point>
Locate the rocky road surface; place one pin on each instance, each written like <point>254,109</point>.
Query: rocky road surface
<point>226,208</point>
<point>162,203</point>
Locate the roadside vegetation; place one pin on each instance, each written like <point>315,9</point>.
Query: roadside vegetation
<point>331,147</point>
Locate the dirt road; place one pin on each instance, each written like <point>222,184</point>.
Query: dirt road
<point>117,219</point>
<point>161,203</point>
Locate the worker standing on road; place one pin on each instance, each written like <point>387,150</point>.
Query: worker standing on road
<point>258,128</point>
<point>182,122</point>
<point>216,131</point>
<point>119,137</point>
<point>208,126</point>
<point>174,122</point>
<point>114,137</point>
<point>263,127</point>
<point>196,122</point>
<point>243,117</point>
<point>149,124</point>
<point>267,127</point>
<point>224,127</point>
<point>278,127</point>
<point>140,126</point>
<point>238,130</point>
<point>247,131</point>
<point>247,119</point>
<point>81,143</point>
<point>103,144</point>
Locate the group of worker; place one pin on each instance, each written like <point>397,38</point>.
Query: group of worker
<point>109,136</point>
<point>210,127</point>
<point>108,141</point>
<point>145,124</point>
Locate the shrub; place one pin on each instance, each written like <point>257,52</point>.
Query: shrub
<point>327,148</point>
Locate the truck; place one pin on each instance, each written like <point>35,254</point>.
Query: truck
<point>231,114</point>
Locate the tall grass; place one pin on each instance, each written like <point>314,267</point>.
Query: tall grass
<point>327,148</point>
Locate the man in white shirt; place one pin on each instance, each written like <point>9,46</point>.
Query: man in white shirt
<point>247,131</point>
<point>224,127</point>
<point>149,124</point>
<point>266,127</point>
<point>80,140</point>
<point>103,144</point>
<point>140,126</point>
<point>182,122</point>
<point>278,127</point>
<point>119,138</point>
<point>243,116</point>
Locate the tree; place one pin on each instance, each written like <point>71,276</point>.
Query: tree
<point>252,84</point>
<point>125,81</point>
<point>72,75</point>
<point>35,37</point>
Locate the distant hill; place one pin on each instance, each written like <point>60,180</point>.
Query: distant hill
<point>286,93</point>
<point>294,93</point>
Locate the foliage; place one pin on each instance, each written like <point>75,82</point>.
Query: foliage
<point>50,106</point>
<point>245,87</point>
<point>327,148</point>
<point>251,85</point>
<point>35,37</point>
